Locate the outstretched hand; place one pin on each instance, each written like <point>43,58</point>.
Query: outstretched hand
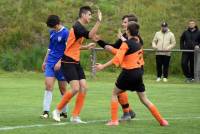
<point>99,67</point>
<point>99,15</point>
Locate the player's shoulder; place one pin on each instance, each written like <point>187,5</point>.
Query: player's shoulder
<point>51,31</point>
<point>78,26</point>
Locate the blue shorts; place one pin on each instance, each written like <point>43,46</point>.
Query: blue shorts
<point>50,72</point>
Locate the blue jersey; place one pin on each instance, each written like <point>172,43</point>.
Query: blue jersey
<point>57,45</point>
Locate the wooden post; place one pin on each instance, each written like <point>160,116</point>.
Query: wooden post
<point>93,62</point>
<point>197,64</point>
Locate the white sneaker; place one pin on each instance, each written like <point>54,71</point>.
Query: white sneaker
<point>56,115</point>
<point>158,79</point>
<point>77,120</point>
<point>165,79</point>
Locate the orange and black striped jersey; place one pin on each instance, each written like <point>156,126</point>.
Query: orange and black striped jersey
<point>76,36</point>
<point>129,55</point>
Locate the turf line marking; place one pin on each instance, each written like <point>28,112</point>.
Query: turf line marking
<point>6,128</point>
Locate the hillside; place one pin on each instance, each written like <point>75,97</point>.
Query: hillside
<point>24,35</point>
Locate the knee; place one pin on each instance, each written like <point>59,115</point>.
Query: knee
<point>49,86</point>
<point>75,88</point>
<point>62,90</point>
<point>83,89</point>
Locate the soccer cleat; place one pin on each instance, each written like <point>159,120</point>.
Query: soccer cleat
<point>77,120</point>
<point>164,123</point>
<point>63,115</point>
<point>112,123</point>
<point>126,117</point>
<point>165,79</point>
<point>45,115</point>
<point>132,113</point>
<point>56,115</point>
<point>158,79</point>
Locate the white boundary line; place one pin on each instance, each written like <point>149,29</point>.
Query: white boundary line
<point>6,128</point>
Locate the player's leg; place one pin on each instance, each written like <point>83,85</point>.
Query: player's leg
<point>127,111</point>
<point>80,99</point>
<point>114,107</point>
<point>74,84</point>
<point>49,83</point>
<point>62,87</point>
<point>152,108</point>
<point>62,84</point>
<point>71,75</point>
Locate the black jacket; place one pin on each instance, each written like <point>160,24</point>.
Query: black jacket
<point>190,39</point>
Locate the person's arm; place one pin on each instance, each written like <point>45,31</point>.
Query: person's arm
<point>89,46</point>
<point>57,65</point>
<point>94,30</point>
<point>45,59</point>
<point>182,41</point>
<point>117,60</point>
<point>172,42</point>
<point>111,49</point>
<point>154,42</point>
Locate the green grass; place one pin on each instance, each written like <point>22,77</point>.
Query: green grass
<point>21,97</point>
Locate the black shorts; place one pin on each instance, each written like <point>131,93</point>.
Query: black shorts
<point>131,80</point>
<point>72,71</point>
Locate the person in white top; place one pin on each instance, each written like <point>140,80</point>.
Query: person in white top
<point>164,40</point>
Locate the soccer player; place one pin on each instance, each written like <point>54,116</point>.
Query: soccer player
<point>130,58</point>
<point>123,97</point>
<point>71,67</point>
<point>51,64</point>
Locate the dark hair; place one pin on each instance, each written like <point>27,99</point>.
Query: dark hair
<point>131,17</point>
<point>52,21</point>
<point>133,28</point>
<point>84,9</point>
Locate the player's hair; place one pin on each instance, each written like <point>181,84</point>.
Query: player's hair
<point>131,17</point>
<point>52,21</point>
<point>84,10</point>
<point>133,28</point>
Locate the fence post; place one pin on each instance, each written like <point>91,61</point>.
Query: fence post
<point>93,62</point>
<point>197,64</point>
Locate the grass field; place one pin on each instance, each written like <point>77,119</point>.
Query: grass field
<point>21,97</point>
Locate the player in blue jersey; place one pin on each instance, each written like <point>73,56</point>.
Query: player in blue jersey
<point>51,64</point>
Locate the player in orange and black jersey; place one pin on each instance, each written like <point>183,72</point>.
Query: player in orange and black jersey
<point>128,113</point>
<point>130,58</point>
<point>70,63</point>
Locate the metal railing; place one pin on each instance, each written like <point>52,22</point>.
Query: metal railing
<point>196,60</point>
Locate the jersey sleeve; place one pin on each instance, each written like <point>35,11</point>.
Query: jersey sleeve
<point>118,58</point>
<point>117,44</point>
<point>80,31</point>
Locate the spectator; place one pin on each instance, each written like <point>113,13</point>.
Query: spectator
<point>163,40</point>
<point>189,40</point>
